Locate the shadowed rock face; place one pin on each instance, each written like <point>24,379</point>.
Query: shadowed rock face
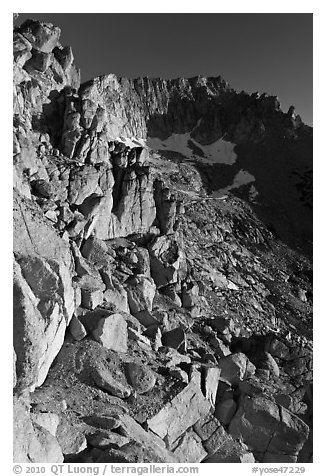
<point>156,317</point>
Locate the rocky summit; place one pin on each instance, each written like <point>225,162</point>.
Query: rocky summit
<point>162,267</point>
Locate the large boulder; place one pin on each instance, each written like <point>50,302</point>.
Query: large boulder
<point>44,297</point>
<point>268,428</point>
<point>147,439</point>
<point>32,443</point>
<point>111,332</point>
<point>71,440</point>
<point>103,379</point>
<point>181,413</point>
<point>189,448</point>
<point>141,377</point>
<point>236,367</point>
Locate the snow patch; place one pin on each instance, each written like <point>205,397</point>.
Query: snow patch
<point>220,152</point>
<point>243,177</point>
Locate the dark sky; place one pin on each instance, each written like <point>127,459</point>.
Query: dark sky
<point>255,52</point>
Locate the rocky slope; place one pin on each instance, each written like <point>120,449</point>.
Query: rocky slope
<point>160,314</point>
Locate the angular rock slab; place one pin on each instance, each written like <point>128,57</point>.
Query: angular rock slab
<point>70,439</point>
<point>176,338</point>
<point>112,333</point>
<point>32,443</point>
<point>181,413</point>
<point>267,427</point>
<point>190,448</point>
<point>236,367</point>
<point>131,429</point>
<point>47,420</point>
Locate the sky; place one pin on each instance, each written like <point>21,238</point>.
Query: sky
<point>265,52</point>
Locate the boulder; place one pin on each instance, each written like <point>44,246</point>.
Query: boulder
<point>76,328</point>
<point>111,332</point>
<point>189,448</point>
<point>141,292</point>
<point>176,338</point>
<point>221,350</point>
<point>146,439</point>
<point>47,420</point>
<point>141,377</point>
<point>223,325</point>
<point>216,440</point>
<point>182,412</point>
<point>91,298</point>
<point>236,367</point>
<point>206,426</point>
<point>220,446</point>
<point>97,252</point>
<point>115,294</point>
<point>268,428</point>
<point>50,445</point>
<point>231,451</point>
<point>32,443</point>
<point>70,439</point>
<point>104,380</point>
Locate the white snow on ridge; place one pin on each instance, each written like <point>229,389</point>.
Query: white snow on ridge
<point>220,152</point>
<point>243,177</point>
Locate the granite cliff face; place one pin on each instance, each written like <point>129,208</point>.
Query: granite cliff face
<point>159,312</point>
